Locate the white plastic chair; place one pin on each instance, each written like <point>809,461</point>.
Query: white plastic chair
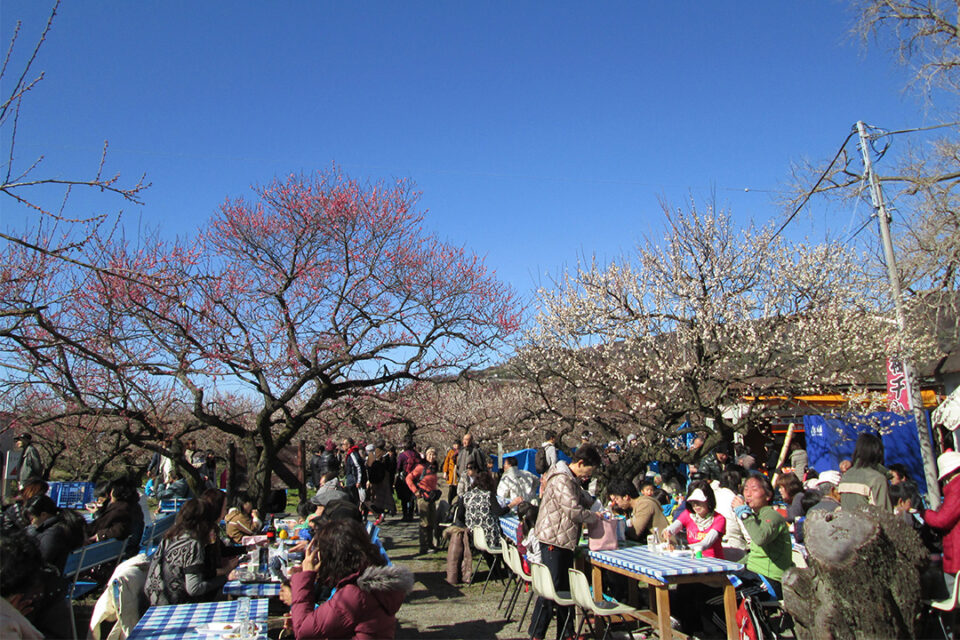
<point>580,591</point>
<point>542,581</point>
<point>480,542</point>
<point>951,603</point>
<point>511,557</point>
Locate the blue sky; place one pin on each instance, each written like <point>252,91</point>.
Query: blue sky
<point>536,132</point>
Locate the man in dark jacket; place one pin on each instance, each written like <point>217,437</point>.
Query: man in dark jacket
<point>469,452</point>
<point>354,469</point>
<point>407,461</point>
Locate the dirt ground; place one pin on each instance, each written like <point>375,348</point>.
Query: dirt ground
<point>437,610</point>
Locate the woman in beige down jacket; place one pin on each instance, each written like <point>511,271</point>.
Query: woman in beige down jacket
<point>564,509</point>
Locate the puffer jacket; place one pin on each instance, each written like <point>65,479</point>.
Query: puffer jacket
<point>564,509</point>
<point>947,520</point>
<point>364,605</point>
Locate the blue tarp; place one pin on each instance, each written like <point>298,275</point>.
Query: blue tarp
<point>830,440</point>
<point>525,458</point>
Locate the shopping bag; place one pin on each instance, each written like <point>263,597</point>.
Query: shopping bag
<point>602,535</point>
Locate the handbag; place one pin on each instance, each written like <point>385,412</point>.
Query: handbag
<point>602,535</point>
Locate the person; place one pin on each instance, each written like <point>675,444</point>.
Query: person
<point>208,470</point>
<point>715,462</point>
<point>14,519</point>
<point>469,452</point>
<point>866,481</point>
<point>564,508</point>
<point>827,483</point>
<point>546,455</point>
<point>379,489</point>
<point>367,594</point>
<point>57,531</point>
<point>175,487</point>
<point>699,518</point>
<point>242,519</point>
<point>176,572</point>
<point>482,507</point>
<point>947,518</point>
<point>791,490</point>
<point>120,518</point>
<point>517,485</point>
<point>354,470</point>
<point>33,587</point>
<point>527,543</point>
<point>735,540</point>
<point>771,551</point>
<point>450,471</point>
<point>406,461</point>
<point>330,489</point>
<point>898,473</point>
<point>315,462</point>
<point>422,483</point>
<point>31,465</point>
<point>798,459</point>
<point>644,511</point>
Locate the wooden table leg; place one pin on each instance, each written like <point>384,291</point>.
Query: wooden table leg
<point>663,612</point>
<point>597,584</point>
<point>730,610</point>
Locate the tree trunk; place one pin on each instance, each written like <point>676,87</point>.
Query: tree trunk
<point>863,579</point>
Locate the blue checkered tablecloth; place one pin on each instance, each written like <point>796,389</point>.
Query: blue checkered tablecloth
<point>640,560</point>
<point>176,622</point>
<point>508,525</point>
<point>236,589</point>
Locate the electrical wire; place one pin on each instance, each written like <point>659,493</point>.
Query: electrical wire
<point>916,129</point>
<point>813,189</point>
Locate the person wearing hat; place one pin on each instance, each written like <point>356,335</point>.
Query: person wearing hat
<point>31,466</point>
<point>703,525</point>
<point>947,517</point>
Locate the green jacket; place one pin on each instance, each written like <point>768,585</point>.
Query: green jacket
<point>771,552</point>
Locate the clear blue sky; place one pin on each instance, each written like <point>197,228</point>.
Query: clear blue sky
<point>537,132</point>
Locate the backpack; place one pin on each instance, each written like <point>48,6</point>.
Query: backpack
<point>411,462</point>
<point>540,461</point>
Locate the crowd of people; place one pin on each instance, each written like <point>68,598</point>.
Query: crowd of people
<point>723,506</point>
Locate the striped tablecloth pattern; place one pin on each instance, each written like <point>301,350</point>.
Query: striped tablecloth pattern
<point>640,560</point>
<point>176,622</point>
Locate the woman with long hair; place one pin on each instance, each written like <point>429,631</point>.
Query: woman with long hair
<point>791,490</point>
<point>57,531</point>
<point>367,593</point>
<point>866,481</point>
<point>176,573</point>
<point>482,507</point>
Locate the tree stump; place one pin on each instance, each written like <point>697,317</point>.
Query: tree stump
<point>863,579</point>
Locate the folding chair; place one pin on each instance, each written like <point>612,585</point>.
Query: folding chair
<point>580,591</point>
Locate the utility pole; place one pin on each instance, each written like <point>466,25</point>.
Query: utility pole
<point>913,391</point>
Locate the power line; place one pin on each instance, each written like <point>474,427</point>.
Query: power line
<point>813,189</point>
